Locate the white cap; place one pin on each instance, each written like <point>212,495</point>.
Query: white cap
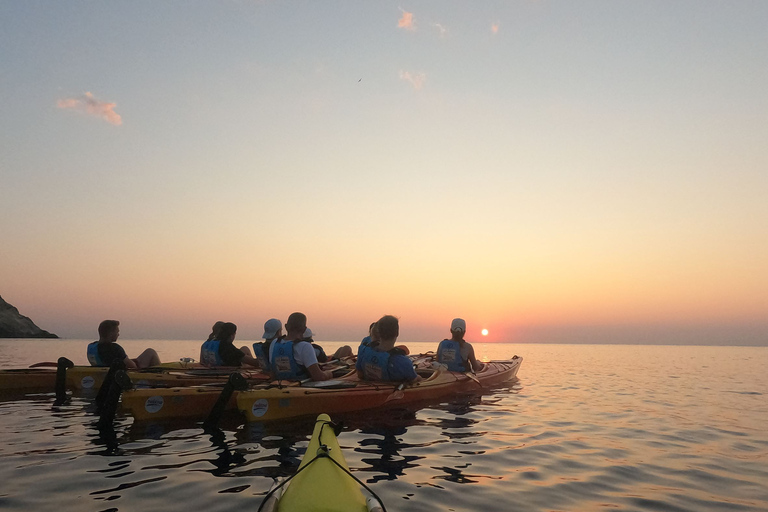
<point>458,324</point>
<point>307,333</point>
<point>271,327</point>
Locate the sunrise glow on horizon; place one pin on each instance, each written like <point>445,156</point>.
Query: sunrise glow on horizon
<point>546,171</point>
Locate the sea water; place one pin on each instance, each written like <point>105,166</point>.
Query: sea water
<point>585,427</point>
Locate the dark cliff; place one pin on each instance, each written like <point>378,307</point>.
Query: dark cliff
<point>15,325</point>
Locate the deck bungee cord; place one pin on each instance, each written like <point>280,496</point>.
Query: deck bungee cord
<point>323,453</point>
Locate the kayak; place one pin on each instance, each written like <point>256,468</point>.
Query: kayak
<point>27,379</point>
<point>351,394</point>
<point>272,404</point>
<point>266,401</point>
<point>323,482</point>
<point>84,378</point>
<point>165,404</point>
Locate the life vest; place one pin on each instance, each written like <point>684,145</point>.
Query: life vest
<point>366,341</point>
<point>93,354</point>
<point>374,364</point>
<point>449,353</point>
<point>209,354</point>
<point>283,362</point>
<point>319,353</point>
<point>261,352</point>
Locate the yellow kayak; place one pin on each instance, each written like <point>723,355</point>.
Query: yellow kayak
<point>323,482</point>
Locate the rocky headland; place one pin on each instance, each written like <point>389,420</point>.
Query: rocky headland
<point>15,325</point>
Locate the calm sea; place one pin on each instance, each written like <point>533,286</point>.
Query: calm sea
<point>586,427</point>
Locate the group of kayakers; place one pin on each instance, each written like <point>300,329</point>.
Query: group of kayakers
<point>295,356</point>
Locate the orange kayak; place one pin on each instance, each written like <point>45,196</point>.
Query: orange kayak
<point>352,394</point>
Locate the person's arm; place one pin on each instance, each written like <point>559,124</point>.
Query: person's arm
<point>402,369</point>
<point>305,356</point>
<point>252,361</point>
<point>476,365</point>
<point>129,363</point>
<point>317,374</point>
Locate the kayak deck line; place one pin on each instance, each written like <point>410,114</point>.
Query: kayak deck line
<point>320,483</point>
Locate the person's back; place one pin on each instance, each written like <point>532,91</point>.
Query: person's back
<point>292,358</point>
<point>219,349</point>
<point>389,365</point>
<point>455,353</point>
<point>106,351</point>
<point>273,331</point>
<point>382,360</point>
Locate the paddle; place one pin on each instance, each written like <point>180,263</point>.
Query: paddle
<point>397,394</point>
<point>44,364</point>
<point>472,376</point>
<point>61,379</point>
<point>116,385</point>
<point>236,382</point>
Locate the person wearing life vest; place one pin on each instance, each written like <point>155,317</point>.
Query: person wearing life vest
<point>105,351</point>
<point>292,358</point>
<point>456,353</point>
<point>273,330</point>
<point>373,336</point>
<point>341,352</point>
<point>219,349</point>
<point>381,360</point>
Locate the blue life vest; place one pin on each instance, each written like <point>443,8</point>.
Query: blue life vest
<point>209,354</point>
<point>93,354</point>
<point>283,362</point>
<point>449,353</point>
<point>374,364</point>
<point>366,341</point>
<point>261,352</point>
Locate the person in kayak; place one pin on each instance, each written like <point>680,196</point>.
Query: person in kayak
<point>382,360</point>
<point>105,351</point>
<point>456,353</point>
<point>273,330</point>
<point>219,349</point>
<point>373,336</point>
<point>292,358</point>
<point>345,351</point>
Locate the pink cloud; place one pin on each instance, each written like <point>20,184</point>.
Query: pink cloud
<point>416,80</point>
<point>406,21</point>
<point>495,28</point>
<point>88,104</point>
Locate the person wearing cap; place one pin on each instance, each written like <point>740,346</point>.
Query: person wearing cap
<point>382,360</point>
<point>219,349</point>
<point>456,353</point>
<point>292,358</point>
<point>273,330</point>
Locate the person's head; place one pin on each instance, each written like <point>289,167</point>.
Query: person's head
<point>227,332</point>
<point>458,328</point>
<point>215,330</point>
<point>296,325</point>
<point>388,328</point>
<point>307,336</point>
<point>373,332</point>
<point>109,330</point>
<point>272,329</point>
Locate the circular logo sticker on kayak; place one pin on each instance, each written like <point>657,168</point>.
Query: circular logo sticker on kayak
<point>87,382</point>
<point>260,407</point>
<point>153,404</point>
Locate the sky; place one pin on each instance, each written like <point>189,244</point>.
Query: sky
<point>551,171</point>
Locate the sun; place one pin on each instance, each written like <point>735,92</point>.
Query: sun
<point>484,332</point>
